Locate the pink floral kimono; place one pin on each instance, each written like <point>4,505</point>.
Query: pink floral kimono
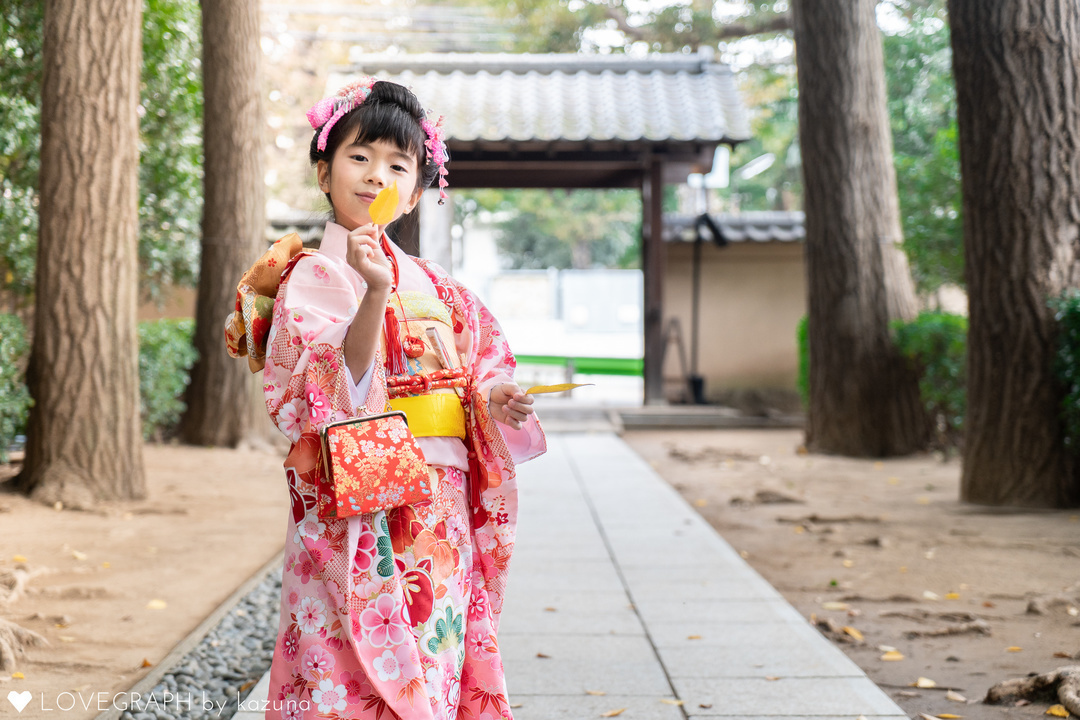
<point>390,614</point>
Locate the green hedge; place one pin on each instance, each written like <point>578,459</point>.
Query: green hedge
<point>14,397</point>
<point>936,343</point>
<point>1067,364</point>
<point>166,355</point>
<point>802,335</point>
<point>165,359</point>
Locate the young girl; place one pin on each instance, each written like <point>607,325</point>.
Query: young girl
<point>391,614</point>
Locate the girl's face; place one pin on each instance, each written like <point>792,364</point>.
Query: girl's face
<point>360,172</point>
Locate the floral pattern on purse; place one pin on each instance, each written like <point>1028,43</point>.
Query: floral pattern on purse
<point>372,463</point>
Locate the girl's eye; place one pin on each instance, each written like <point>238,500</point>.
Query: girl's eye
<point>399,168</point>
<point>360,158</point>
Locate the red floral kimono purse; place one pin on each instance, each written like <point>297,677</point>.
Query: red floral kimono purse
<point>372,463</point>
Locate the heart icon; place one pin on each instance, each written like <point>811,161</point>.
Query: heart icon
<point>19,700</point>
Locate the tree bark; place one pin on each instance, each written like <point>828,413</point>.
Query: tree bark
<point>864,399</point>
<point>1017,68</point>
<point>233,226</point>
<point>84,439</point>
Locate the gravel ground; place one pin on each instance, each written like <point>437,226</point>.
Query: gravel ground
<point>210,681</point>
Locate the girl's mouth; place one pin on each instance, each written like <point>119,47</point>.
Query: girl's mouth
<point>367,197</point>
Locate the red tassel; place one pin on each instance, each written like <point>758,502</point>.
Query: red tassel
<point>395,354</point>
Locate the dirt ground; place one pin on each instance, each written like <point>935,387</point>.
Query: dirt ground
<point>120,586</point>
<point>892,543</point>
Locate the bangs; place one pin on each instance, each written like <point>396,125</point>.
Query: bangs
<point>389,123</point>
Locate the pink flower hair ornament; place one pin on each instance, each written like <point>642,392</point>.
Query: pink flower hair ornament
<point>325,113</point>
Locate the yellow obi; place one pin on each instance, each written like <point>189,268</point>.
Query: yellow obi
<point>436,415</point>
<point>437,412</point>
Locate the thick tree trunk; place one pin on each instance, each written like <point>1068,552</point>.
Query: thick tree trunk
<point>233,229</point>
<point>864,400</point>
<point>1017,67</point>
<point>84,440</point>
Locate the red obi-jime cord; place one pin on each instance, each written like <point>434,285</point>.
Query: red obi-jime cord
<point>405,385</point>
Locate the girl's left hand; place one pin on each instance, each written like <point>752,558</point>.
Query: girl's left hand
<point>509,405</point>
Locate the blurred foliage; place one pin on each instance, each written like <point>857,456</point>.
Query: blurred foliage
<point>936,344</point>
<point>538,229</point>
<point>20,139</point>
<point>1067,364</point>
<point>166,354</point>
<point>170,190</point>
<point>802,341</point>
<point>170,164</point>
<point>15,399</point>
<point>922,109</point>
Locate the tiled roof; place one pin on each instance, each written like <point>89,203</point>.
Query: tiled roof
<point>773,226</point>
<point>551,98</point>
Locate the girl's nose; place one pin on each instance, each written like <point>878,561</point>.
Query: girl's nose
<point>376,176</point>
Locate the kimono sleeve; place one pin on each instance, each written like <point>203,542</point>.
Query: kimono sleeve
<point>304,380</point>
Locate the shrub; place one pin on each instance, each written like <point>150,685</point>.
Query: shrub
<point>165,359</point>
<point>14,397</point>
<point>802,335</point>
<point>1067,364</point>
<point>936,343</point>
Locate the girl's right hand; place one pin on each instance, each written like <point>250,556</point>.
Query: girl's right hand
<point>366,257</point>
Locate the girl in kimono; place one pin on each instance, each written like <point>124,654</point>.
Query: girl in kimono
<point>391,614</point>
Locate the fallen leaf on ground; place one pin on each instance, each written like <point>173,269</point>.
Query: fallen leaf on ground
<point>66,638</point>
<point>550,609</point>
<point>848,563</point>
<point>924,682</point>
<point>949,716</point>
<point>955,697</point>
<point>701,502</point>
<point>542,655</point>
<point>706,706</point>
<point>893,655</point>
<point>669,701</point>
<point>952,596</point>
<point>595,692</point>
<point>1057,711</point>
<point>106,565</point>
<point>853,632</point>
<point>18,558</point>
<point>613,713</point>
<point>78,555</point>
<point>18,676</point>
<point>834,606</point>
<point>1060,654</point>
<point>146,663</point>
<point>930,595</point>
<point>1014,648</point>
<point>693,637</point>
<point>156,604</point>
<point>772,678</point>
<point>515,706</point>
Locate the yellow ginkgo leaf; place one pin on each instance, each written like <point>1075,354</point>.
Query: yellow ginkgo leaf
<point>893,655</point>
<point>834,605</point>
<point>1057,711</point>
<point>156,604</point>
<point>146,662</point>
<point>18,676</point>
<point>952,596</point>
<point>383,206</point>
<point>18,558</point>
<point>955,697</point>
<point>924,683</point>
<point>669,701</point>
<point>853,632</point>
<point>1014,648</point>
<point>595,692</point>
<point>562,387</point>
<point>613,713</point>
<point>949,716</point>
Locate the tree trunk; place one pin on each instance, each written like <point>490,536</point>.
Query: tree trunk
<point>233,218</point>
<point>1017,68</point>
<point>84,439</point>
<point>864,400</point>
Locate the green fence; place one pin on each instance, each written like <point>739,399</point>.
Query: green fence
<point>588,365</point>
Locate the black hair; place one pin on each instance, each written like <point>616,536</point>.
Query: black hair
<point>390,113</point>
